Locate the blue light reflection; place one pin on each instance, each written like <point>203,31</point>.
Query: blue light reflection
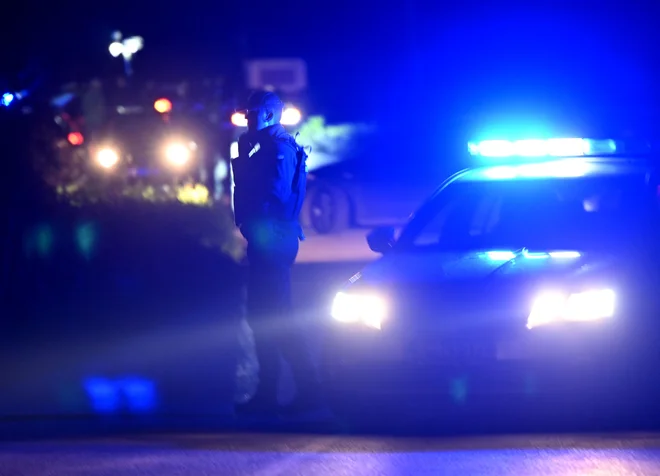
<point>509,255</point>
<point>110,395</point>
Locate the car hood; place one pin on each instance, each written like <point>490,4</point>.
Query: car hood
<point>482,286</point>
<point>485,267</point>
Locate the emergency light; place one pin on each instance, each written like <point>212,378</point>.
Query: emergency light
<point>75,138</point>
<point>7,99</point>
<point>542,148</point>
<point>163,106</point>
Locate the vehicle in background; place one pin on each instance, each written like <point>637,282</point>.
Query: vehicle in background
<point>376,189</point>
<point>147,144</point>
<point>378,180</point>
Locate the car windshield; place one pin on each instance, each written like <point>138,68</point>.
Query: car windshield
<point>576,213</point>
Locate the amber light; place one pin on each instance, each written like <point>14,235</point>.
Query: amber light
<point>75,138</point>
<point>239,119</point>
<point>163,106</point>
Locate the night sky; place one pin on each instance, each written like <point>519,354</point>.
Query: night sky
<point>368,59</point>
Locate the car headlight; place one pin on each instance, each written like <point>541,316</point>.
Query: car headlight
<point>552,307</point>
<point>107,158</point>
<point>366,309</point>
<point>291,116</point>
<point>178,154</point>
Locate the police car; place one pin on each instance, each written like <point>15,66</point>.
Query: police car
<point>532,274</point>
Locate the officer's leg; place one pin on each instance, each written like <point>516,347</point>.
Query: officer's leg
<point>260,319</point>
<point>295,350</point>
<point>293,343</point>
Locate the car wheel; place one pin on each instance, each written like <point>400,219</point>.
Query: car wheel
<point>329,210</point>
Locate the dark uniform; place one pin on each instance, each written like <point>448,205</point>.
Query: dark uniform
<point>264,208</point>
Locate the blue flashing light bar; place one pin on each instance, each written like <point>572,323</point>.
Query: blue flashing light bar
<point>7,99</point>
<point>541,148</point>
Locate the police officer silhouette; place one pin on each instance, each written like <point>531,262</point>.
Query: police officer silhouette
<point>265,210</point>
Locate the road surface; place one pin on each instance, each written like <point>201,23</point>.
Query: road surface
<point>347,246</point>
<point>350,245</point>
<point>268,455</point>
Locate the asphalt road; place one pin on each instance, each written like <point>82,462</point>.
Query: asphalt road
<point>325,262</point>
<point>350,245</point>
<point>267,455</point>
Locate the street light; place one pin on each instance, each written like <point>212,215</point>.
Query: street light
<point>125,47</point>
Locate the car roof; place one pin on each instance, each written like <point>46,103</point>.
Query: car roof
<point>557,169</point>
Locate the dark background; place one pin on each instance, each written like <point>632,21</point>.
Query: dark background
<point>409,62</point>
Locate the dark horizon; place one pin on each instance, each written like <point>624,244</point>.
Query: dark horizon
<point>365,61</point>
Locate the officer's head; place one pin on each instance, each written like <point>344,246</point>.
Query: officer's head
<point>264,109</point>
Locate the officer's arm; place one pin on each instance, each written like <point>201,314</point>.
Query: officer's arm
<point>282,172</point>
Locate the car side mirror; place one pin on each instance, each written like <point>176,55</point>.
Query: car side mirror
<point>381,240</point>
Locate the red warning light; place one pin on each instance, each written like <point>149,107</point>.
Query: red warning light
<point>75,138</point>
<point>163,105</point>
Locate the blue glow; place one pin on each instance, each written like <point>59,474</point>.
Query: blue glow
<point>509,255</point>
<point>500,255</point>
<point>500,173</point>
<point>103,394</point>
<point>7,99</point>
<point>565,254</point>
<point>62,100</point>
<point>530,255</point>
<point>108,396</point>
<point>86,237</point>
<point>531,148</point>
<point>40,240</point>
<point>459,389</point>
<point>563,168</point>
<point>139,393</point>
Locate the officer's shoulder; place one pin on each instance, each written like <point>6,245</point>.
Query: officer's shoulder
<point>286,146</point>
